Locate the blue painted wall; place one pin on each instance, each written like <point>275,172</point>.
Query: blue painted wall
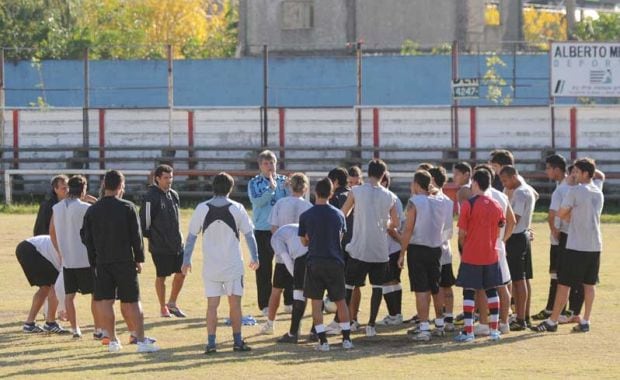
<point>293,82</point>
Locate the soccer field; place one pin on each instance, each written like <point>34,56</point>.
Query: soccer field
<point>391,354</point>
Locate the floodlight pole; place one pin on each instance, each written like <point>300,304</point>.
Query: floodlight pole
<point>85,122</point>
<point>2,101</point>
<point>169,52</point>
<point>265,121</point>
<point>358,97</point>
<point>455,102</point>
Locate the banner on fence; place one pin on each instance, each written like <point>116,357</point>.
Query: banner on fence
<point>585,69</point>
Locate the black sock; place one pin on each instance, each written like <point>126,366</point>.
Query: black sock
<point>375,302</point>
<point>389,302</point>
<point>346,334</point>
<point>575,299</point>
<point>298,312</point>
<point>398,301</point>
<point>322,337</point>
<point>553,285</point>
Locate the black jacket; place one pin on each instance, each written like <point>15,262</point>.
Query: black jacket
<point>159,219</point>
<point>111,232</point>
<point>44,216</point>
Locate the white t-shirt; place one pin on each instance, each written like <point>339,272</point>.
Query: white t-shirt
<point>556,201</point>
<point>584,228</point>
<point>394,245</point>
<point>503,201</point>
<point>523,201</point>
<point>68,217</point>
<point>222,258</point>
<point>372,215</point>
<point>286,241</point>
<point>43,244</point>
<point>432,214</point>
<point>287,211</point>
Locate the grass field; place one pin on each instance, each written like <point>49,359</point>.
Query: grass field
<point>391,354</point>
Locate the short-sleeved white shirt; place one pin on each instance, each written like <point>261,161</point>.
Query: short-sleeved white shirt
<point>286,241</point>
<point>394,245</point>
<point>448,230</point>
<point>68,217</point>
<point>222,257</point>
<point>372,215</point>
<point>43,244</point>
<point>287,211</point>
<point>584,228</point>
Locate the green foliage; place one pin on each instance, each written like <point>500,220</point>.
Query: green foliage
<point>495,83</point>
<point>605,28</point>
<point>442,49</point>
<point>410,47</point>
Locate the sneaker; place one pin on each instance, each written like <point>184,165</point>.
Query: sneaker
<point>334,328</point>
<point>464,338</point>
<point>504,328</point>
<point>210,350</point>
<point>134,340</point>
<point>165,313</point>
<point>415,320</point>
<point>288,309</point>
<point>323,347</point>
<point>97,335</point>
<point>32,328</point>
<point>77,334</point>
<point>371,331</point>
<point>545,326</point>
<point>243,347</point>
<point>288,338</point>
<point>494,336</point>
<point>543,314</point>
<point>114,346</point>
<point>481,329</point>
<point>267,329</point>
<point>413,330</point>
<point>391,320</point>
<point>55,328</point>
<point>174,310</point>
<point>566,317</point>
<point>146,346</point>
<point>355,325</point>
<point>347,344</point>
<point>581,327</point>
<point>439,332</point>
<point>422,336</point>
<point>459,319</point>
<point>449,327</point>
<point>518,326</point>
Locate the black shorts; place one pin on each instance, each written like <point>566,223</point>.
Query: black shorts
<point>324,275</point>
<point>393,269</point>
<point>579,268</point>
<point>529,267</point>
<point>447,279</point>
<point>357,271</point>
<point>561,248</point>
<point>516,249</point>
<point>281,277</point>
<point>38,270</point>
<point>117,281</point>
<point>80,280</point>
<point>299,272</point>
<point>166,265</point>
<point>424,268</point>
<point>479,277</point>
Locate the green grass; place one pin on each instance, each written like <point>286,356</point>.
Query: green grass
<point>391,354</point>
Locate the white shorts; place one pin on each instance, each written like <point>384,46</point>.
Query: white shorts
<point>224,288</point>
<point>503,263</point>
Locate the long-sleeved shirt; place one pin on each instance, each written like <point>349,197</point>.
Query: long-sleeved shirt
<point>263,197</point>
<point>111,232</point>
<point>159,220</point>
<point>44,216</point>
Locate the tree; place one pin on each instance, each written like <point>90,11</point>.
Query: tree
<point>540,26</point>
<point>605,28</point>
<point>495,82</point>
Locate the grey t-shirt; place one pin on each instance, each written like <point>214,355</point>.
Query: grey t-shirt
<point>523,201</point>
<point>372,215</point>
<point>584,228</point>
<point>556,200</point>
<point>431,219</point>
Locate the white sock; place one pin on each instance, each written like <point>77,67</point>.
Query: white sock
<point>424,326</point>
<point>552,323</point>
<point>345,325</point>
<point>585,322</point>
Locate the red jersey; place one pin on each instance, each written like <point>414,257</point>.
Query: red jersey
<point>481,217</point>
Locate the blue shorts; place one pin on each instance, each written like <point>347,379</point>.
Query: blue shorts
<point>479,277</point>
